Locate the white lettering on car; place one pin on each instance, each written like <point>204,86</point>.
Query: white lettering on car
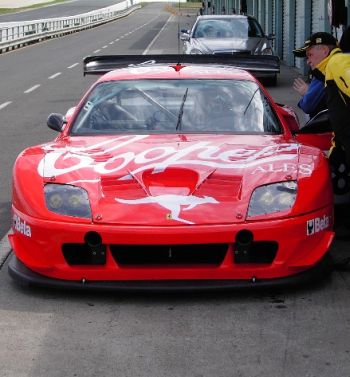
<point>21,226</point>
<point>284,167</point>
<point>316,225</point>
<point>59,161</point>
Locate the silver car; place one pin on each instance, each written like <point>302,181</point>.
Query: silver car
<point>229,35</point>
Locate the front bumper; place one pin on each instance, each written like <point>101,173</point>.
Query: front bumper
<point>26,277</point>
<point>38,244</point>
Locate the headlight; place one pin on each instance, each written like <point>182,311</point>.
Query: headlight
<point>67,200</point>
<point>277,197</point>
<point>195,51</point>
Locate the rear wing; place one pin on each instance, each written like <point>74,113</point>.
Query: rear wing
<point>258,65</point>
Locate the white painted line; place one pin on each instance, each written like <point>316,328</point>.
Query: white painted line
<point>55,75</point>
<point>5,248</point>
<point>96,51</point>
<point>73,65</point>
<point>3,105</point>
<point>111,42</point>
<point>31,89</point>
<point>116,40</point>
<point>156,37</point>
<point>104,46</point>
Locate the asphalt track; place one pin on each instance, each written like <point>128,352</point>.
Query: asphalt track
<point>280,333</point>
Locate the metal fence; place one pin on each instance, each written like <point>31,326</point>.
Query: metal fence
<point>17,34</point>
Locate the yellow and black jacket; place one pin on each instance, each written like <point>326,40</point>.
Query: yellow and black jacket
<point>335,70</point>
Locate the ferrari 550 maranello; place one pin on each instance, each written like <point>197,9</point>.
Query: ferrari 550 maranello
<point>171,174</point>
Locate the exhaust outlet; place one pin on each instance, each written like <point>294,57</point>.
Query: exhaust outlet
<point>96,249</point>
<point>242,245</point>
<point>93,240</point>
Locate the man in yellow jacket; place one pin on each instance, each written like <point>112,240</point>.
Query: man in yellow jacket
<point>337,78</point>
<point>315,50</point>
<point>334,70</point>
<point>321,49</point>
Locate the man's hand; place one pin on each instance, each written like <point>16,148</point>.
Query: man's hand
<point>300,86</point>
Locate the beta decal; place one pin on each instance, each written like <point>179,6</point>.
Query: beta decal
<point>317,225</point>
<point>21,226</point>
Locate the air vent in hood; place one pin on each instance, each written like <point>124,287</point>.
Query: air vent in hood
<point>177,181</point>
<point>116,187</point>
<point>221,186</point>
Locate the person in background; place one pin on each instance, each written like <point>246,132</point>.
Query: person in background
<point>334,70</point>
<point>313,95</point>
<point>337,79</point>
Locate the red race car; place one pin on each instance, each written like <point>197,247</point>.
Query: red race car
<point>171,175</point>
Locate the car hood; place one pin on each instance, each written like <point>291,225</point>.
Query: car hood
<point>170,179</point>
<point>210,45</point>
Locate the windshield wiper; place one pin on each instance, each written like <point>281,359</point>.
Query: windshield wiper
<point>250,101</point>
<point>179,118</point>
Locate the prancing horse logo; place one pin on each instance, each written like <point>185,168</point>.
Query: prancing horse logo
<point>173,203</point>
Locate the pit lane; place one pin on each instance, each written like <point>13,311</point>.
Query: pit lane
<point>43,333</point>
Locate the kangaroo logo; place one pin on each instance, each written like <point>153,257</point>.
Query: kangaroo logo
<point>173,203</point>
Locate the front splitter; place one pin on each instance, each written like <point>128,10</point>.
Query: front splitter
<point>24,276</point>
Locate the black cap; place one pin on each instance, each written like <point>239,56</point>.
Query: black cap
<point>321,38</point>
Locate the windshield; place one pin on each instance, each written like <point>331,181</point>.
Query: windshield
<point>240,27</point>
<point>172,106</point>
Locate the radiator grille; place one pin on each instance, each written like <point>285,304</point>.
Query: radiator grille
<point>210,254</point>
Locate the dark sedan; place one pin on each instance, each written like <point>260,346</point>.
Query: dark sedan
<point>230,34</point>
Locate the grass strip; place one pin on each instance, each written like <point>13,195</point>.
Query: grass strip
<point>180,7</point>
<point>29,7</point>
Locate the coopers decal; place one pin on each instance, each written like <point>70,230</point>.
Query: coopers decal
<point>203,153</point>
<point>21,226</point>
<point>317,225</point>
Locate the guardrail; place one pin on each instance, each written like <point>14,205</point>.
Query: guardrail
<point>17,34</point>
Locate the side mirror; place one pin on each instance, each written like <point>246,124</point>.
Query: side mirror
<point>56,121</point>
<point>318,124</point>
<point>185,36</point>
